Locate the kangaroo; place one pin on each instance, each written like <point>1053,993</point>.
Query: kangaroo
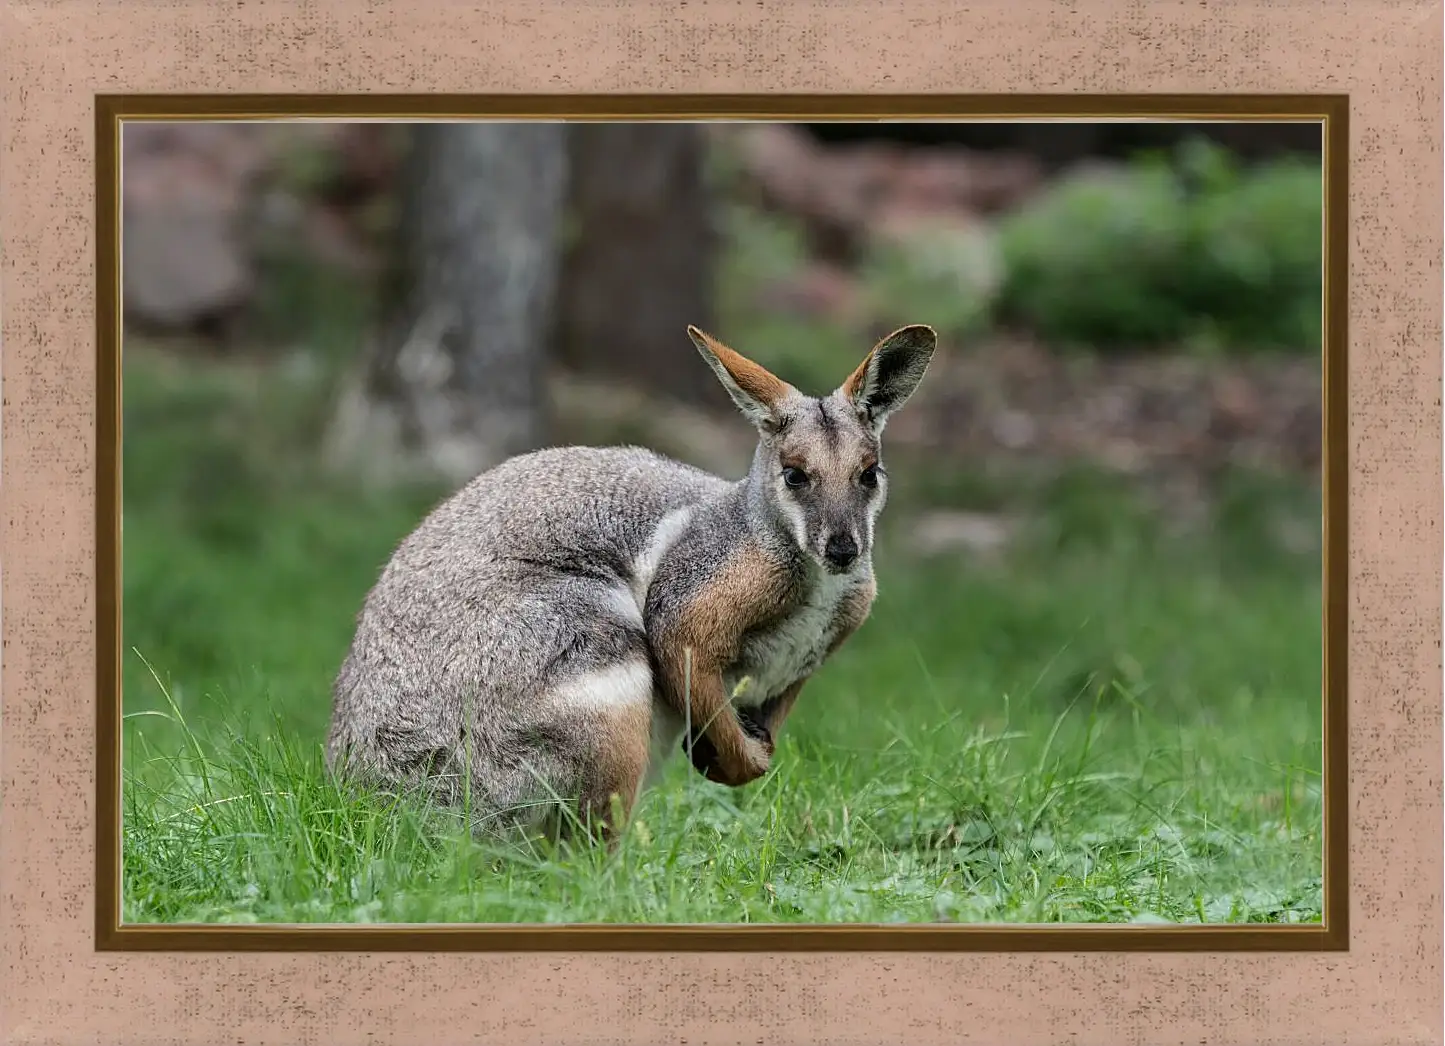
<point>555,630</point>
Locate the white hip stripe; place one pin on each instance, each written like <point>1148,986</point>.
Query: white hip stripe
<point>626,684</point>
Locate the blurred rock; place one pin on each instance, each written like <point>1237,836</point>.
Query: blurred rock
<point>184,193</point>
<point>201,201</point>
<point>1175,421</point>
<point>842,194</point>
<point>821,291</point>
<point>1015,429</point>
<point>957,179</point>
<point>793,175</point>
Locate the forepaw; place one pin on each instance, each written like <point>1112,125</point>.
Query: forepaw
<point>704,757</point>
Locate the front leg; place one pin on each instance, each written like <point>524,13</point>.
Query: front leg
<point>761,724</point>
<point>726,745</point>
<point>696,627</point>
<point>766,721</point>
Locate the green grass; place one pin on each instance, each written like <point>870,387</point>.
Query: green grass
<point>1108,724</point>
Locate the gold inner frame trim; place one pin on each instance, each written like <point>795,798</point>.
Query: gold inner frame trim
<point>1331,111</point>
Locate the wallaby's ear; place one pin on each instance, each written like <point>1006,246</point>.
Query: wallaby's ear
<point>890,373</point>
<point>756,390</point>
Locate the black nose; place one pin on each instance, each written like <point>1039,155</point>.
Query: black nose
<point>840,550</point>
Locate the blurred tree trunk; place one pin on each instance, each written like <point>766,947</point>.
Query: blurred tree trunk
<point>642,256</point>
<point>455,382</point>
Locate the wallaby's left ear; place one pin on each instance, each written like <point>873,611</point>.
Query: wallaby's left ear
<point>756,390</point>
<point>890,373</point>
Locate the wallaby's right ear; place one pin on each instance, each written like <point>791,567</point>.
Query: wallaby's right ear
<point>890,373</point>
<point>756,390</point>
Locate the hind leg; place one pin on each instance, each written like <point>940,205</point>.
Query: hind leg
<point>608,715</point>
<point>614,781</point>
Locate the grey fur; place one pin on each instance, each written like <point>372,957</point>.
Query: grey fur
<point>537,575</point>
<point>506,590</point>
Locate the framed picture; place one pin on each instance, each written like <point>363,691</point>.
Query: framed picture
<point>1078,663</point>
<point>903,531</point>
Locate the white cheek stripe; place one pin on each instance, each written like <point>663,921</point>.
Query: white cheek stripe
<point>799,522</point>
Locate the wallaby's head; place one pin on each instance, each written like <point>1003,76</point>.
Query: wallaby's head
<point>818,462</point>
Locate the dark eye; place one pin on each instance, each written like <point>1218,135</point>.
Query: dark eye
<point>869,477</point>
<point>795,478</point>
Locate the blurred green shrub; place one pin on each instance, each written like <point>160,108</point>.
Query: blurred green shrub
<point>764,250</point>
<point>1257,251</point>
<point>1184,249</point>
<point>949,275</point>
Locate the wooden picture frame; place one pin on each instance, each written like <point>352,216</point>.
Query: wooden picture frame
<point>71,974</point>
